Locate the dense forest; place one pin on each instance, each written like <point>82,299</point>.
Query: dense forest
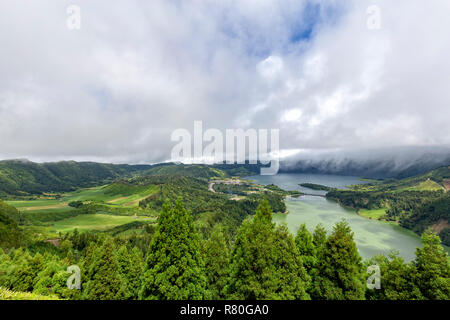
<point>315,186</point>
<point>262,261</point>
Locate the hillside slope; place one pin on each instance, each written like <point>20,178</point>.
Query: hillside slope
<point>416,203</point>
<point>21,177</point>
<point>10,234</point>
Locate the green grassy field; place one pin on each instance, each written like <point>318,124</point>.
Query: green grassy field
<point>53,215</point>
<point>99,222</point>
<point>427,185</point>
<point>128,197</point>
<point>39,204</point>
<point>372,214</point>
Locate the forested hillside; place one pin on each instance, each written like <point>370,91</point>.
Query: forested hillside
<point>207,207</point>
<point>130,203</point>
<point>415,203</point>
<point>21,177</point>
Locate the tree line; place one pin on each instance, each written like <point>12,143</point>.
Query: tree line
<point>261,261</point>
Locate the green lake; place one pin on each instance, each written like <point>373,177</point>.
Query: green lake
<point>371,236</point>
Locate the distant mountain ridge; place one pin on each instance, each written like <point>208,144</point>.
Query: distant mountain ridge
<point>22,177</point>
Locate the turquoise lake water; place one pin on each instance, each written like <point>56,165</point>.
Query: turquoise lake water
<point>371,236</point>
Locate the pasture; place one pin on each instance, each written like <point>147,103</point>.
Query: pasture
<point>119,205</point>
<point>89,222</point>
<point>372,213</point>
<point>110,195</point>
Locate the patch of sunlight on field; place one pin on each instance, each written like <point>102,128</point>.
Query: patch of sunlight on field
<point>87,222</point>
<point>95,193</point>
<point>134,199</point>
<point>98,194</point>
<point>427,185</point>
<point>40,205</point>
<point>373,214</point>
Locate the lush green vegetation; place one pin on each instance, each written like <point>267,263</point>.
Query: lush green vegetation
<point>314,186</point>
<point>164,234</point>
<point>429,212</point>
<point>197,171</point>
<point>10,234</point>
<point>373,213</point>
<point>92,222</point>
<point>11,295</point>
<point>127,200</point>
<point>25,178</point>
<point>21,177</point>
<point>208,208</point>
<point>175,261</point>
<point>265,262</point>
<point>415,203</point>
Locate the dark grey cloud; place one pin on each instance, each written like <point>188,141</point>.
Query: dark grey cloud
<point>398,162</point>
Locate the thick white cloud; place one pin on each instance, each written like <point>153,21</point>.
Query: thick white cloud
<point>137,70</point>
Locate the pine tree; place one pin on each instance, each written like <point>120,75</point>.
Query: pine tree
<point>124,262</point>
<point>397,279</point>
<point>26,269</point>
<point>104,281</point>
<point>340,271</point>
<point>306,247</point>
<point>433,268</point>
<point>52,280</point>
<point>252,274</point>
<point>174,268</point>
<point>216,253</point>
<point>134,278</point>
<point>130,269</point>
<point>66,248</point>
<point>319,237</point>
<point>265,263</point>
<point>88,260</point>
<point>292,278</point>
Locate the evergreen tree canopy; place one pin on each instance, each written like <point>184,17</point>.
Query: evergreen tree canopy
<point>305,244</point>
<point>397,279</point>
<point>174,268</point>
<point>340,271</point>
<point>433,268</point>
<point>216,252</point>
<point>319,237</point>
<point>104,281</point>
<point>130,269</point>
<point>292,278</point>
<point>265,263</point>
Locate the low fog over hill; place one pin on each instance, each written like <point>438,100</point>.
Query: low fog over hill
<point>372,163</point>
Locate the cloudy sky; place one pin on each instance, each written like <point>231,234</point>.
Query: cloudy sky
<point>325,73</point>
